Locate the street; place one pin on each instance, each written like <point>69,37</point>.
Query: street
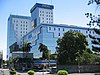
<point>6,72</point>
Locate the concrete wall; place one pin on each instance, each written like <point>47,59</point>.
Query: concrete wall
<point>82,68</point>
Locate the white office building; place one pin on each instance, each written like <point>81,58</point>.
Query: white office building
<point>39,28</point>
<point>18,26</point>
<point>41,13</point>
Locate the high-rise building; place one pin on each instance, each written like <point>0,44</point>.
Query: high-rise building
<point>18,26</point>
<point>39,28</point>
<point>41,13</point>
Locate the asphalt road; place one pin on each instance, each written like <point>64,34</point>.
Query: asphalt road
<point>6,72</point>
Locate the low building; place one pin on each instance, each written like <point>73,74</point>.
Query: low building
<point>48,34</point>
<point>1,58</point>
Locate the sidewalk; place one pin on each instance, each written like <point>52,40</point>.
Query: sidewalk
<point>6,72</point>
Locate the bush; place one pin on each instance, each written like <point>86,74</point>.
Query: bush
<point>30,72</point>
<point>12,72</point>
<point>62,72</point>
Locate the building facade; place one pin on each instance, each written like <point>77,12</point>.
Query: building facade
<point>18,26</point>
<point>41,13</point>
<point>39,28</point>
<point>48,34</point>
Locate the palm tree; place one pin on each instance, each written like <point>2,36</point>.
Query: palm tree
<point>45,52</point>
<point>26,47</point>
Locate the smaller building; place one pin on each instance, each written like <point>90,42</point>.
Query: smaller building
<point>1,58</point>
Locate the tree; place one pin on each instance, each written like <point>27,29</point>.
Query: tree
<point>45,52</point>
<point>94,22</point>
<point>26,47</point>
<point>69,46</point>
<point>86,58</point>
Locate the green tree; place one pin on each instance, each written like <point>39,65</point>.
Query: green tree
<point>86,58</point>
<point>26,47</point>
<point>45,52</point>
<point>94,22</point>
<point>69,46</point>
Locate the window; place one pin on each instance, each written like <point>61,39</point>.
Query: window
<point>17,21</point>
<point>16,24</point>
<point>42,18</point>
<point>49,28</point>
<point>43,15</point>
<point>59,29</point>
<point>51,13</point>
<point>26,25</point>
<point>40,14</point>
<point>47,21</point>
<point>86,31</point>
<point>21,21</point>
<point>46,15</point>
<point>21,28</point>
<point>16,28</point>
<point>14,20</point>
<point>59,34</point>
<point>63,29</point>
<point>89,31</point>
<point>26,22</point>
<point>21,32</point>
<point>46,12</point>
<point>26,28</point>
<point>47,18</point>
<point>54,29</point>
<point>21,24</point>
<point>42,11</point>
<point>26,32</point>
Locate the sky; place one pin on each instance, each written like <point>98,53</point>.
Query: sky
<point>70,12</point>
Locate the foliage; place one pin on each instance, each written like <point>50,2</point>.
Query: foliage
<point>45,52</point>
<point>69,46</point>
<point>92,1</point>
<point>86,58</point>
<point>94,23</point>
<point>12,72</point>
<point>97,59</point>
<point>30,72</point>
<point>53,57</point>
<point>62,72</point>
<point>26,47</point>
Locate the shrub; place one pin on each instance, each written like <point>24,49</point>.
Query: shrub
<point>30,72</point>
<point>12,72</point>
<point>62,72</point>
